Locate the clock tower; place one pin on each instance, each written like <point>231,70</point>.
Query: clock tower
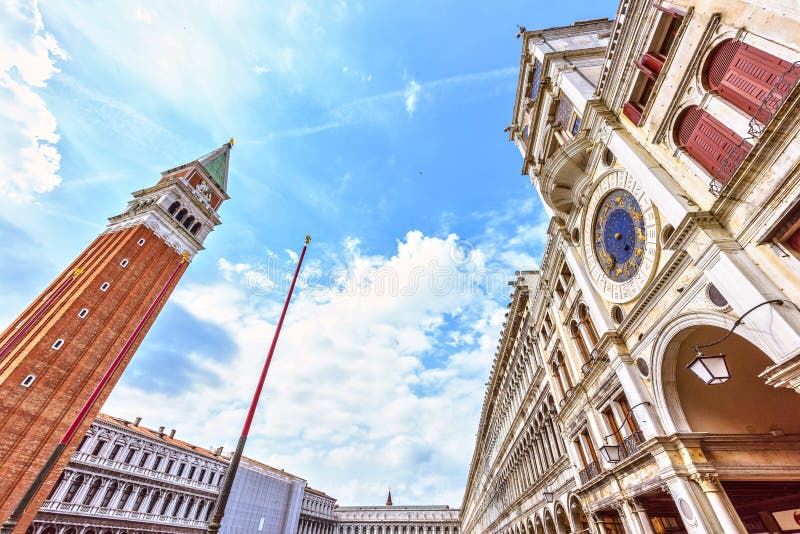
<point>96,311</point>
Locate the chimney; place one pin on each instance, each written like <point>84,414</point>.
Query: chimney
<point>218,451</point>
<point>161,431</point>
<point>137,421</point>
<point>172,433</point>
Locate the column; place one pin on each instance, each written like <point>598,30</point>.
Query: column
<point>641,513</point>
<point>718,499</point>
<point>63,487</point>
<point>635,391</point>
<point>696,512</point>
<point>599,524</point>
<point>81,494</point>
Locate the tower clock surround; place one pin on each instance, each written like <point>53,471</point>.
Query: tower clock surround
<point>620,237</point>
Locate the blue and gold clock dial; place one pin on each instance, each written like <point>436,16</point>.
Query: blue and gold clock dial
<point>619,235</point>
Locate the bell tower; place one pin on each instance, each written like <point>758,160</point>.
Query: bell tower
<point>97,310</point>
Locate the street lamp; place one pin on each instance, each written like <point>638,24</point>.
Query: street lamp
<point>714,369</point>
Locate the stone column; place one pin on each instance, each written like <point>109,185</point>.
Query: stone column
<point>62,489</point>
<point>81,494</point>
<point>696,512</point>
<point>599,524</point>
<point>718,499</point>
<point>641,513</point>
<point>635,391</point>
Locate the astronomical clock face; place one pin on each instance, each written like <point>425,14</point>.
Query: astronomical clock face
<point>620,237</point>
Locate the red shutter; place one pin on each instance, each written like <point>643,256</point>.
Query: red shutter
<point>743,75</point>
<point>632,111</point>
<point>794,241</point>
<point>711,143</point>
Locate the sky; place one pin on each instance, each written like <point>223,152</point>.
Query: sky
<point>374,126</point>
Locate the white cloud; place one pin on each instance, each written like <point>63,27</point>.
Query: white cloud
<point>411,94</point>
<point>29,161</point>
<point>262,69</point>
<point>379,383</point>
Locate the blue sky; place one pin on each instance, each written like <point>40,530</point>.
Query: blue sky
<point>377,127</point>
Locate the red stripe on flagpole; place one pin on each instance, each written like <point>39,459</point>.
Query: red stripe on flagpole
<point>257,395</point>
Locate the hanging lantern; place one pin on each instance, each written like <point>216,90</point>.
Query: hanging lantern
<point>611,453</point>
<point>711,369</point>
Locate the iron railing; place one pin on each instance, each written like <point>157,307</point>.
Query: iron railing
<point>778,94</point>
<point>589,472</point>
<point>631,444</point>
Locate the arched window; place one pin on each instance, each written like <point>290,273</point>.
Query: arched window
<point>586,319</point>
<point>126,494</point>
<point>195,228</point>
<point>167,502</point>
<point>112,489</point>
<point>137,505</point>
<point>563,368</point>
<point>188,222</point>
<point>178,504</point>
<point>710,143</point>
<point>181,214</point>
<point>153,501</point>
<point>174,207</point>
<point>93,489</point>
<point>744,75</point>
<point>77,482</point>
<point>199,510</point>
<point>576,334</point>
<point>188,510</point>
<point>559,380</point>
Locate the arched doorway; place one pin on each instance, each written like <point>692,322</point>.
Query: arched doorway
<point>549,524</point>
<point>751,430</point>
<point>579,520</point>
<point>562,522</point>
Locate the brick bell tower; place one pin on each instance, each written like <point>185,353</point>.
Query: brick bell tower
<point>95,312</point>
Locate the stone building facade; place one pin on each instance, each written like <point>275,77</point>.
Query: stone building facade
<point>396,520</point>
<point>664,146</point>
<point>316,515</point>
<point>125,477</point>
<point>95,314</point>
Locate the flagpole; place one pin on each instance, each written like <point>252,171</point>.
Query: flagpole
<point>222,500</point>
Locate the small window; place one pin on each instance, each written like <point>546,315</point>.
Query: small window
<point>130,455</point>
<point>105,286</point>
<point>98,447</point>
<point>140,242</point>
<point>124,263</point>
<point>191,472</point>
<point>115,451</point>
<point>83,313</point>
<point>58,344</point>
<point>28,381</point>
<point>576,124</point>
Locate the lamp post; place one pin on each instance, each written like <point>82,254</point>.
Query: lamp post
<point>713,369</point>
<point>613,453</point>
